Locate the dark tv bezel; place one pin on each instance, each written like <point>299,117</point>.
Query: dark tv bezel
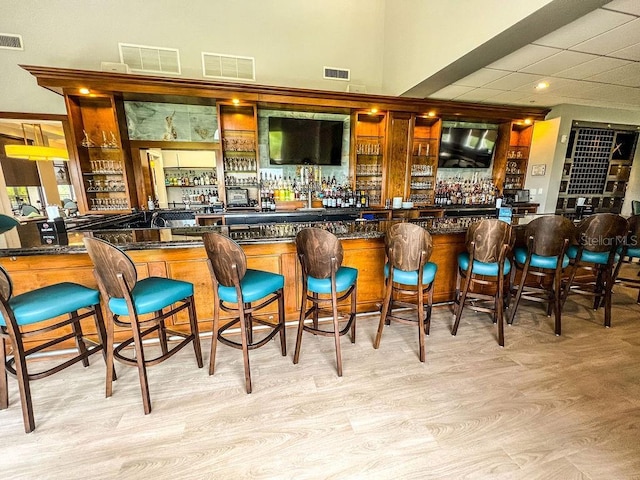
<point>331,163</point>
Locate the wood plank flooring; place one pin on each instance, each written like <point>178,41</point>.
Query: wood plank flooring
<point>542,407</point>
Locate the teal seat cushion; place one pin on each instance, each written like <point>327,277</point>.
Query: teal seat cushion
<point>590,257</point>
<point>345,277</point>
<point>49,302</point>
<point>411,277</point>
<point>482,268</point>
<point>633,252</point>
<point>153,294</point>
<point>255,285</point>
<point>538,261</point>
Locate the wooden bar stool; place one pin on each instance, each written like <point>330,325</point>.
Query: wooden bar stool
<point>25,315</point>
<point>143,302</point>
<point>235,284</point>
<point>485,263</point>
<point>320,253</point>
<point>408,272</point>
<point>630,254</point>
<point>600,238</point>
<point>543,259</point>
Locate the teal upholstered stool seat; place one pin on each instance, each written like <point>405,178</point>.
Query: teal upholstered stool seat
<point>325,283</point>
<point>50,302</point>
<point>600,258</point>
<point>257,289</point>
<point>539,261</point>
<point>255,284</point>
<point>345,278</point>
<point>152,294</point>
<point>411,277</point>
<point>633,252</point>
<point>408,248</point>
<point>72,302</point>
<point>7,223</point>
<point>489,269</point>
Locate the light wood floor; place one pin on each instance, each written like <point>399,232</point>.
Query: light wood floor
<point>542,407</point>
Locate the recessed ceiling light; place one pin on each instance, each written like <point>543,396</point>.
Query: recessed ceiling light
<point>236,101</point>
<point>527,121</point>
<point>84,90</point>
<point>542,85</point>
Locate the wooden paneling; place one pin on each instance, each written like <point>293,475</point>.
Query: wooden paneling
<point>398,154</point>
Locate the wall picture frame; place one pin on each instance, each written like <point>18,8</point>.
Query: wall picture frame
<point>538,170</point>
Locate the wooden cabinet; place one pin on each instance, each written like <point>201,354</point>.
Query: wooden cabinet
<point>517,156</point>
<point>368,148</point>
<point>102,172</point>
<point>424,160</point>
<point>240,162</point>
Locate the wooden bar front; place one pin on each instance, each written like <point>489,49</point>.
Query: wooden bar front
<point>189,264</point>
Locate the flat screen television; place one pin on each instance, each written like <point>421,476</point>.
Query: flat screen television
<point>467,145</point>
<point>301,141</point>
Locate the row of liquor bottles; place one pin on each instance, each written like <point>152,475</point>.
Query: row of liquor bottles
<point>457,191</point>
<point>331,198</point>
<point>189,178</point>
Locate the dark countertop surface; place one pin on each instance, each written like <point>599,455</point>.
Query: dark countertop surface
<point>128,238</point>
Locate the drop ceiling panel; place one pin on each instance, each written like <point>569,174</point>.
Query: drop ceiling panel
<point>628,75</point>
<point>524,56</point>
<point>631,52</point>
<point>592,67</point>
<point>592,24</point>
<point>478,95</point>
<point>556,63</point>
<point>627,6</point>
<point>513,81</point>
<point>450,92</point>
<point>615,39</point>
<point>481,77</point>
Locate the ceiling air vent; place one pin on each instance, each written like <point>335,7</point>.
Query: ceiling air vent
<point>145,59</point>
<point>228,67</point>
<point>11,41</point>
<point>333,73</point>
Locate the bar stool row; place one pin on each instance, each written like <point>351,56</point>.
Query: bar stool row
<point>551,245</point>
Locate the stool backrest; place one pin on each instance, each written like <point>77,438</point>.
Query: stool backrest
<point>486,240</point>
<point>635,207</point>
<point>109,261</point>
<point>225,255</point>
<point>548,235</point>
<point>6,286</point>
<point>408,246</point>
<point>602,232</point>
<point>316,248</point>
<point>633,238</point>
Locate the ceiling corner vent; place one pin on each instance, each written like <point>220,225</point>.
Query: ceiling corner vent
<point>333,73</point>
<point>146,59</point>
<point>11,41</point>
<point>228,67</point>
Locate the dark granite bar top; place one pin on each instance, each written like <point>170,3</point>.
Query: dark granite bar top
<point>191,236</point>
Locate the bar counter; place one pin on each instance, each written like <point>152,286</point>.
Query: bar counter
<point>178,253</point>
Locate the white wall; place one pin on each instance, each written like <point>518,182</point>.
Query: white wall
<point>567,114</point>
<point>542,152</point>
<point>291,40</point>
<point>422,37</point>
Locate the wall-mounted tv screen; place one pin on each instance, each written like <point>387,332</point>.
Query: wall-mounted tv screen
<point>467,145</point>
<point>301,141</point>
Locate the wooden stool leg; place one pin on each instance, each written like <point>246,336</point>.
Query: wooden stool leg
<point>142,367</point>
<point>214,335</point>
<point>162,333</point>
<point>109,359</point>
<point>193,321</point>
<point>354,307</point>
<point>386,305</point>
<point>79,338</point>
<point>462,298</point>
<point>499,309</point>
<point>427,326</point>
<point>607,297</point>
<point>421,326</point>
<point>516,302</point>
<point>336,330</point>
<point>281,323</point>
<point>102,334</point>
<point>315,310</point>
<point>23,383</point>
<point>4,387</point>
<point>303,308</point>
<point>245,348</point>
<point>557,302</point>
